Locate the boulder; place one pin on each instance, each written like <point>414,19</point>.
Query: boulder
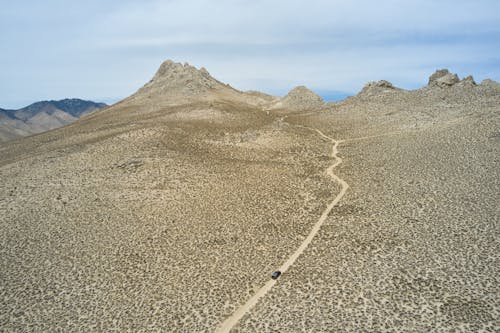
<point>443,78</point>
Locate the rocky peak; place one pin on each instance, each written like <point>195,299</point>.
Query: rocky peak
<point>175,71</point>
<point>301,98</point>
<point>468,81</point>
<point>443,78</point>
<point>376,87</point>
<point>185,79</point>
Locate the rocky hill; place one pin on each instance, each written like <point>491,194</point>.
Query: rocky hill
<point>301,98</point>
<point>43,116</point>
<point>177,84</point>
<point>181,80</point>
<point>170,210</point>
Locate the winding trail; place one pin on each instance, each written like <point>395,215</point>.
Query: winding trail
<point>232,320</point>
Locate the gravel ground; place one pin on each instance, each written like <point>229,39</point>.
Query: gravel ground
<point>414,245</point>
<point>167,224</point>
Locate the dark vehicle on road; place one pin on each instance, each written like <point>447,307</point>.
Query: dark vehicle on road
<point>275,275</point>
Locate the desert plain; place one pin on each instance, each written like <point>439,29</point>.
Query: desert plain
<point>169,210</point>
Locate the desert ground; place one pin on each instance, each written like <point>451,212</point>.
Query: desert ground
<point>169,210</point>
<point>413,246</point>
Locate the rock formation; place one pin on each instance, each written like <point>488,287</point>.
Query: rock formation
<point>184,79</point>
<point>468,81</point>
<point>377,87</point>
<point>301,98</point>
<point>443,78</point>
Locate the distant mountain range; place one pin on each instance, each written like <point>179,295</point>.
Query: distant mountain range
<point>43,116</point>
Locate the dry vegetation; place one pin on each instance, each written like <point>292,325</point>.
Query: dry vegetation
<point>414,244</point>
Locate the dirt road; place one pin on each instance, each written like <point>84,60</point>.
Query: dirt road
<point>231,321</point>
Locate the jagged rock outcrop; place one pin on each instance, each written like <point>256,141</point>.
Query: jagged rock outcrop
<point>181,79</point>
<point>377,87</point>
<point>443,78</point>
<point>467,82</point>
<point>301,98</point>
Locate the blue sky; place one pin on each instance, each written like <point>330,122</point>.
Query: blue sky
<point>106,50</point>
